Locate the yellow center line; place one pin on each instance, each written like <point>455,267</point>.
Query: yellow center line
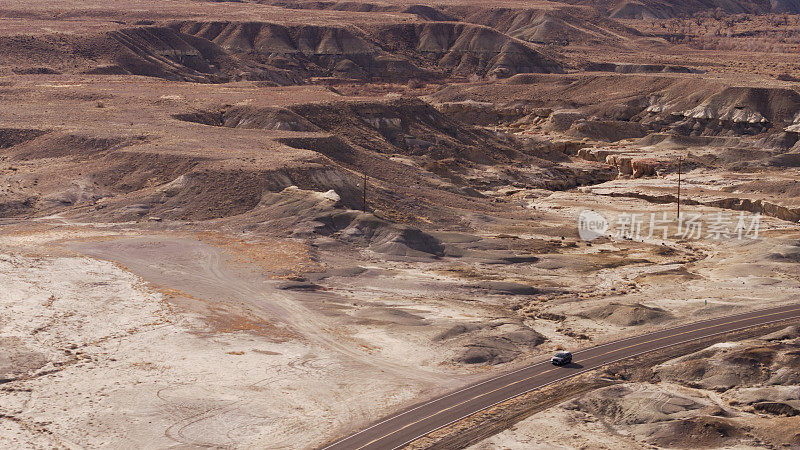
<point>551,370</point>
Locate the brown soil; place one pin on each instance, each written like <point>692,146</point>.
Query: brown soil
<point>358,204</point>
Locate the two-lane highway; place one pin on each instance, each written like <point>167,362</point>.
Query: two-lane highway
<point>410,424</point>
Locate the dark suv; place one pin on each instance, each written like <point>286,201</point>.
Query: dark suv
<point>561,358</point>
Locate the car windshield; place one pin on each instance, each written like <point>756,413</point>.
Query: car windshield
<point>561,354</point>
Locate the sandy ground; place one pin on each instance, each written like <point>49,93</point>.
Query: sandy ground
<point>98,357</point>
<point>179,338</point>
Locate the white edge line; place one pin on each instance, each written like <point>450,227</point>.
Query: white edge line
<point>583,371</point>
<point>344,439</point>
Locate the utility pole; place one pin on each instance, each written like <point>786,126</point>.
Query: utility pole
<point>365,193</point>
<point>680,159</point>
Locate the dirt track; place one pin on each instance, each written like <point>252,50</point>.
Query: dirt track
<point>204,273</point>
<point>139,365</point>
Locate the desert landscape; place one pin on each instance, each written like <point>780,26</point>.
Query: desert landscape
<point>271,224</point>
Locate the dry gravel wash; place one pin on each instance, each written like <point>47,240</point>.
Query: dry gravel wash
<point>94,357</point>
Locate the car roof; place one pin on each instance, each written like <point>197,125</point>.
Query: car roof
<point>562,353</point>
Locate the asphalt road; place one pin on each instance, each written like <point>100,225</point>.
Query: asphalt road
<point>414,422</point>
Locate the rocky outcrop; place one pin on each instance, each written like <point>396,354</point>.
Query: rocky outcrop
<point>464,49</point>
<point>165,53</point>
<point>384,52</point>
<point>265,118</point>
<point>639,68</point>
<point>627,315</point>
<point>663,9</point>
<point>607,130</point>
<point>749,105</point>
<point>278,54</point>
<point>561,25</point>
<point>730,111</point>
<point>759,206</point>
<point>626,164</point>
<point>480,113</point>
<point>423,12</point>
<point>266,50</point>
